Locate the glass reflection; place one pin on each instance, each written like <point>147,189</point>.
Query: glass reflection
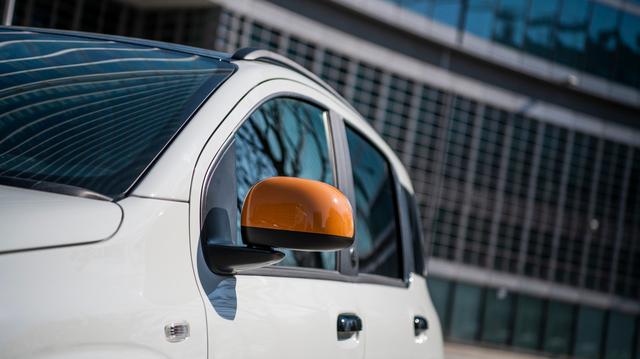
<point>584,34</point>
<point>376,230</point>
<point>90,113</point>
<point>602,39</point>
<point>628,66</point>
<point>571,32</point>
<point>420,6</point>
<point>509,25</point>
<point>479,17</point>
<point>588,333</point>
<point>540,23</point>
<point>620,331</point>
<point>465,312</point>
<point>284,137</point>
<point>439,290</point>
<point>497,314</point>
<point>527,322</point>
<point>447,11</point>
<point>558,328</point>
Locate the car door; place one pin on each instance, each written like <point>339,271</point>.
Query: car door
<point>290,310</point>
<point>394,302</point>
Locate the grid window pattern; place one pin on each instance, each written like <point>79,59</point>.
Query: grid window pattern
<point>335,70</point>
<point>497,317</point>
<point>397,112</point>
<point>496,189</point>
<point>301,52</point>
<point>596,36</point>
<point>366,91</point>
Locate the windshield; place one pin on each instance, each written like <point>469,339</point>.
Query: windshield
<point>93,113</point>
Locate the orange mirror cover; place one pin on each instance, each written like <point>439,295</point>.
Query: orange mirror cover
<point>298,205</point>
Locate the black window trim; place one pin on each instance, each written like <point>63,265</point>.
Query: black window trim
<point>412,210</point>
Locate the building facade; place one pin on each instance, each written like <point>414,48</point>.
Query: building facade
<point>519,121</point>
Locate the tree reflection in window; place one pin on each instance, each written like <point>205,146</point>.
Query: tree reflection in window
<point>285,137</point>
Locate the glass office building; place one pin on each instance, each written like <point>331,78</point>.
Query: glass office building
<point>519,121</point>
<point>598,37</point>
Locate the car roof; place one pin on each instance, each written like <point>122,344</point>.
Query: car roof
<point>123,39</point>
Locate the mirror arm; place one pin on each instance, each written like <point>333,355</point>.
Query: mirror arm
<point>228,260</point>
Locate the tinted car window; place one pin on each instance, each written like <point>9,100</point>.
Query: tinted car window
<point>376,227</point>
<point>283,137</point>
<point>93,113</point>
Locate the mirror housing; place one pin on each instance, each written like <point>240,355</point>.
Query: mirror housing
<point>227,260</point>
<point>298,214</point>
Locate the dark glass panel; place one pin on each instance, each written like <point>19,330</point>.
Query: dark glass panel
<point>628,65</point>
<point>601,42</point>
<point>541,18</point>
<point>65,16</point>
<point>637,339</point>
<point>588,333</point>
<point>557,334</point>
<point>528,320</point>
<point>465,312</point>
<point>571,33</point>
<point>439,290</point>
<point>479,17</point>
<point>41,13</point>
<point>620,330</point>
<point>420,6</point>
<point>376,215</point>
<point>497,316</point>
<point>447,12</point>
<point>509,25</point>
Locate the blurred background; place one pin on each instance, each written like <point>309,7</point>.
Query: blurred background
<point>519,121</point>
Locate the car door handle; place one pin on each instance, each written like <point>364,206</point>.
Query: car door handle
<point>349,323</point>
<point>420,325</point>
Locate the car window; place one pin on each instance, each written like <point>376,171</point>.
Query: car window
<point>91,114</point>
<point>283,137</point>
<point>376,214</point>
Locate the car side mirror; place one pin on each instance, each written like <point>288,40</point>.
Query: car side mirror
<point>285,212</point>
<point>297,213</point>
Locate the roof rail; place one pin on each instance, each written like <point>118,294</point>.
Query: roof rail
<point>255,54</point>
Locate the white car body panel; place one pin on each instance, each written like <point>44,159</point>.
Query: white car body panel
<point>281,317</point>
<point>386,307</point>
<point>109,299</point>
<point>34,219</point>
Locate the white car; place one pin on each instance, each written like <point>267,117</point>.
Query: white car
<point>162,201</point>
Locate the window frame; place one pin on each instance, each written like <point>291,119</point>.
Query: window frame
<point>282,271</point>
<point>345,271</point>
